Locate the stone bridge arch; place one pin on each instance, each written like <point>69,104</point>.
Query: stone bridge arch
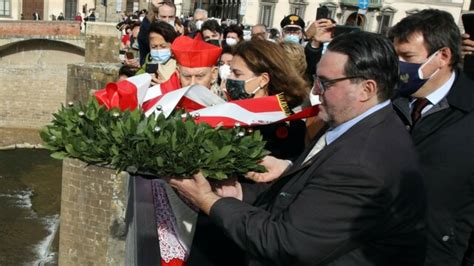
<point>78,42</point>
<point>33,74</point>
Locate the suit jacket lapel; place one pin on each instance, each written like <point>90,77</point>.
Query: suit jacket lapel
<point>298,173</point>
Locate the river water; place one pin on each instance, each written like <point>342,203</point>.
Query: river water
<point>30,196</point>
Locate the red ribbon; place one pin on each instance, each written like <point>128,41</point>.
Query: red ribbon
<point>170,85</point>
<point>121,94</point>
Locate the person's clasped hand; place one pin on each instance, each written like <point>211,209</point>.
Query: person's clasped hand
<point>275,168</point>
<point>199,191</point>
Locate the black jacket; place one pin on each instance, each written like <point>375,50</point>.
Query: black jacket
<point>360,201</point>
<point>211,247</point>
<point>444,138</point>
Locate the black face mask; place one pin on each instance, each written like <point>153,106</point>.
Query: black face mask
<point>236,89</point>
<point>214,42</point>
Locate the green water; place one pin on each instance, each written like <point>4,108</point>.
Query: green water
<point>30,191</point>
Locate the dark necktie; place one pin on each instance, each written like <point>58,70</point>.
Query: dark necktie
<point>418,106</point>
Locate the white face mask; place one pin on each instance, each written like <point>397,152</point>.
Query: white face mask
<point>224,71</point>
<point>141,19</point>
<point>171,22</point>
<point>199,24</point>
<point>231,41</point>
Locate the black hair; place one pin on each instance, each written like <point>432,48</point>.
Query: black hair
<point>274,33</point>
<point>165,30</point>
<point>438,29</point>
<point>236,29</point>
<point>212,25</point>
<point>128,71</point>
<point>226,49</point>
<point>371,56</point>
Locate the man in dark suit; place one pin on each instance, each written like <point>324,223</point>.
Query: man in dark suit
<point>358,201</point>
<point>436,103</point>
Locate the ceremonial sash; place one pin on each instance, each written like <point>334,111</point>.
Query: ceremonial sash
<point>197,100</point>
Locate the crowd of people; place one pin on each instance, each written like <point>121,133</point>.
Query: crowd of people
<point>382,176</point>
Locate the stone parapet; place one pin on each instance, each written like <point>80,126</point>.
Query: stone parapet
<point>84,78</point>
<point>102,43</point>
<point>93,201</point>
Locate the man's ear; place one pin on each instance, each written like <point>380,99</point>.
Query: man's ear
<point>445,56</point>
<point>214,73</point>
<point>369,90</point>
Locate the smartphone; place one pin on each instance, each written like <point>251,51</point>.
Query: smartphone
<point>322,12</point>
<point>468,22</point>
<point>468,62</point>
<point>342,29</point>
<point>129,55</point>
<point>151,68</point>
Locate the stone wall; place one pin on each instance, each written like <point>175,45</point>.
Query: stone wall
<point>84,78</point>
<point>33,75</point>
<point>92,215</point>
<point>35,72</point>
<point>102,43</point>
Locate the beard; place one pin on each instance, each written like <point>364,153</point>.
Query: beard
<point>336,113</point>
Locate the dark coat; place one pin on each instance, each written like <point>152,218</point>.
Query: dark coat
<point>444,138</point>
<point>360,201</point>
<point>211,247</point>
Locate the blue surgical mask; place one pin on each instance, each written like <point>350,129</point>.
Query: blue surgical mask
<point>160,55</point>
<point>411,76</point>
<point>292,38</point>
<point>236,89</point>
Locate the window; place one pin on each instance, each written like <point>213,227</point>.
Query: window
<point>266,13</point>
<point>298,7</point>
<point>386,18</point>
<point>5,8</point>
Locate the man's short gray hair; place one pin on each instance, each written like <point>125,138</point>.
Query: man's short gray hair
<point>200,10</point>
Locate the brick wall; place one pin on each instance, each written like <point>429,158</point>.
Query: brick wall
<point>92,204</point>
<point>39,28</point>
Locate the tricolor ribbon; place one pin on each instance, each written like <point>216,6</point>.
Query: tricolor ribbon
<point>197,100</point>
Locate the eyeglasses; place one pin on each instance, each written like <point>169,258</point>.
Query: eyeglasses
<point>324,85</point>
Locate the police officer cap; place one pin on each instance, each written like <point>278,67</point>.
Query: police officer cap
<point>292,21</point>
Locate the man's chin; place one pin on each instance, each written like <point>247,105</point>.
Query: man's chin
<point>323,114</point>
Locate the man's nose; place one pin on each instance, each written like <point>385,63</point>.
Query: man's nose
<point>193,80</point>
<point>316,90</point>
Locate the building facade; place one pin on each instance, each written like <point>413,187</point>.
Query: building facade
<point>378,17</point>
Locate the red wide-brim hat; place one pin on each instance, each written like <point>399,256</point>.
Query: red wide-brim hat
<point>195,52</point>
